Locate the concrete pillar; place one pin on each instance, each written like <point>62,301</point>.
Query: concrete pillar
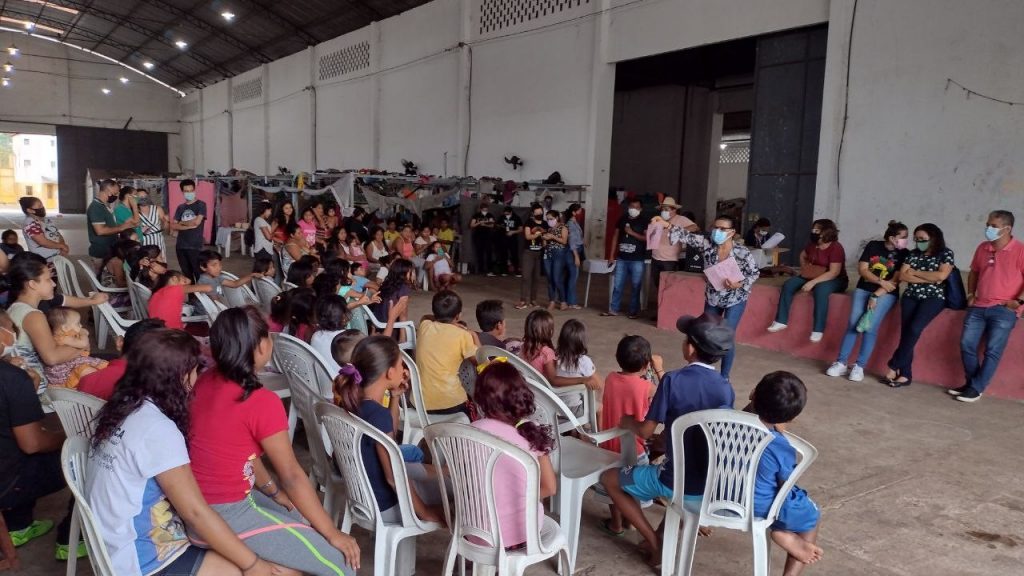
<point>828,184</point>
<point>599,135</point>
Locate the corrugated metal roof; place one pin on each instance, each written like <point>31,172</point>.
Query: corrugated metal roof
<point>138,31</point>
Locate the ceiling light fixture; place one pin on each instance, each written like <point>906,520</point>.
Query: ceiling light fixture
<point>228,15</point>
<point>12,50</point>
<point>123,80</point>
<point>8,66</point>
<point>5,82</point>
<point>29,25</point>
<point>181,44</point>
<point>105,90</point>
<point>148,65</point>
<point>53,6</point>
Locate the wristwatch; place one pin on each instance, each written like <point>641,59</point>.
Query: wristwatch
<point>1020,301</point>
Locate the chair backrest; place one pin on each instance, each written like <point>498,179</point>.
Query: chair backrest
<point>549,410</point>
<point>735,442</point>
<point>309,382</point>
<point>140,296</point>
<point>487,353</point>
<point>408,327</point>
<point>74,462</point>
<point>471,456</point>
<point>210,308</point>
<point>77,410</point>
<point>238,297</point>
<point>286,286</point>
<point>66,277</point>
<point>346,432</point>
<point>265,291</point>
<point>416,388</point>
<point>116,322</point>
<point>90,273</point>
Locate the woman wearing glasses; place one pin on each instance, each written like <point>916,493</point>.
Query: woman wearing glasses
<point>730,300</point>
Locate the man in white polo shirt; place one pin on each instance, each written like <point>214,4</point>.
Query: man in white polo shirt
<point>665,255</point>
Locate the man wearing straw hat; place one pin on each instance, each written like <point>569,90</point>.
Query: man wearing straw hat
<point>665,254</point>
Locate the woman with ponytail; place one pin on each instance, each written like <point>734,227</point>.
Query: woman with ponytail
<point>507,403</point>
<point>234,421</point>
<point>376,373</point>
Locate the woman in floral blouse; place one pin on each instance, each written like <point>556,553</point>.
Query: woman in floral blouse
<point>925,271</point>
<point>731,300</point>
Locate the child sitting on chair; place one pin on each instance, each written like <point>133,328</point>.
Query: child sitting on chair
<point>66,324</point>
<point>778,399</point>
<point>439,268</point>
<point>210,262</point>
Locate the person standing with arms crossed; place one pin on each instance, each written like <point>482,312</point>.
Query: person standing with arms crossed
<point>103,227</point>
<point>995,300</point>
<point>188,223</point>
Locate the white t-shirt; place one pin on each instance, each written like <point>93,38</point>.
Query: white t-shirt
<point>382,273</point>
<point>440,265</point>
<point>321,342</point>
<point>261,242</point>
<point>584,368</point>
<point>142,532</point>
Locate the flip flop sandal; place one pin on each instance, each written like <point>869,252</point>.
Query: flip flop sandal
<point>522,306</point>
<point>897,383</point>
<point>608,314</point>
<point>605,527</point>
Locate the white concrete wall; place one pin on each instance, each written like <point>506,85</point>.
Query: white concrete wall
<point>57,84</point>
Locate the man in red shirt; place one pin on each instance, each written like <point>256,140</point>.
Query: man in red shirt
<point>995,296</point>
<point>102,382</point>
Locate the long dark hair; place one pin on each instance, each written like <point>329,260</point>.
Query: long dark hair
<point>398,274</point>
<point>301,302</point>
<point>829,230</point>
<point>572,343</point>
<point>234,337</point>
<point>122,250</point>
<point>936,239</point>
<point>568,214</point>
<point>158,364</point>
<point>279,216</point>
<point>24,268</point>
<point>502,394</point>
<point>371,357</point>
<point>538,332</point>
<point>300,272</point>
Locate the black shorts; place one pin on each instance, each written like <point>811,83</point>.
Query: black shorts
<point>185,565</point>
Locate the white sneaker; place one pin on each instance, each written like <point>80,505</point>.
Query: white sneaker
<point>856,373</point>
<point>816,336</point>
<point>777,327</point>
<point>837,369</point>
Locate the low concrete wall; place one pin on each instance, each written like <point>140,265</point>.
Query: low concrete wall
<point>938,352</point>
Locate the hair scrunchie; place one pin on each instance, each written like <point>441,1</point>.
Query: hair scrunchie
<point>350,370</point>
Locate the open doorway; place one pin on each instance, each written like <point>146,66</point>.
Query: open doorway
<point>725,128</point>
<point>28,167</point>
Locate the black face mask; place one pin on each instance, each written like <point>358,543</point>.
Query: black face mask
<point>815,237</point>
<point>538,217</point>
<point>111,198</point>
<point>40,212</point>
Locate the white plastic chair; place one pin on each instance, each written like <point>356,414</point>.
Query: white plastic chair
<point>210,308</point>
<point>595,266</point>
<point>395,544</point>
<point>589,418</point>
<point>470,456</point>
<point>140,296</point>
<point>118,324</point>
<point>74,460</point>
<point>286,286</point>
<point>736,440</point>
<point>309,382</point>
<point>66,273</point>
<point>265,291</point>
<point>238,297</point>
<point>408,327</point>
<point>66,277</point>
<point>417,419</point>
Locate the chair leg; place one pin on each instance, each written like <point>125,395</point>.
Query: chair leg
<point>403,560</point>
<point>670,544</point>
<point>346,520</point>
<point>449,561</point>
<point>293,420</point>
<point>570,506</point>
<point>73,535</point>
<point>762,553</point>
<point>101,328</point>
<point>691,525</point>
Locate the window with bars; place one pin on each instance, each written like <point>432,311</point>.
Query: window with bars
<point>734,153</point>
<point>247,90</point>
<point>344,61</point>
<point>497,15</point>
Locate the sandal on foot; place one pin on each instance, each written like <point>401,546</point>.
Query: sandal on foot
<point>605,526</point>
<point>608,314</point>
<point>522,306</point>
<point>897,383</point>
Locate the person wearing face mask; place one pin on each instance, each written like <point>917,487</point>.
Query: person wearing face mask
<point>664,252</point>
<point>41,234</point>
<point>574,255</point>
<point>877,292</point>
<point>995,299</point>
<point>482,227</point>
<point>556,244</point>
<point>925,271</point>
<point>822,272</point>
<point>533,231</point>
<point>152,220</point>
<point>188,223</point>
<point>758,234</point>
<point>730,302</point>
<point>126,209</point>
<point>102,226</point>
<point>629,243</point>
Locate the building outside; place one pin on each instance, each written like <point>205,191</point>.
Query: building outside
<point>28,167</point>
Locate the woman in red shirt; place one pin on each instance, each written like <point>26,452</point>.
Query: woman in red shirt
<point>234,421</point>
<point>822,273</point>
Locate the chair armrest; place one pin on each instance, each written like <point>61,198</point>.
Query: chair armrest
<point>626,446</point>
<point>112,290</point>
<point>191,319</point>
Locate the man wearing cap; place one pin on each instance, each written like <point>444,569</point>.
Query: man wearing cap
<point>697,386</point>
<point>665,253</point>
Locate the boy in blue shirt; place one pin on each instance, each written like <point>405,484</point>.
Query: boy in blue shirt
<point>697,386</point>
<point>778,399</point>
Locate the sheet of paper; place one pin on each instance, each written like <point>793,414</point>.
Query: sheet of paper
<point>774,241</point>
<point>654,236</point>
<point>724,270</point>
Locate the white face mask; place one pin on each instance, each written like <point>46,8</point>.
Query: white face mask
<point>666,215</point>
<point>634,212</point>
<point>552,222</point>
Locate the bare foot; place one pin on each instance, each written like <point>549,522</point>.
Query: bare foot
<point>705,531</point>
<point>552,305</point>
<point>802,550</point>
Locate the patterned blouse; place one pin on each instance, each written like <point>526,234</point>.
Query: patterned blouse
<point>920,261</point>
<point>744,259</point>
<point>552,248</point>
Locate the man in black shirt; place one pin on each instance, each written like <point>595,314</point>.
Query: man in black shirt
<point>509,243</point>
<point>533,255</point>
<point>356,225</point>
<point>188,223</point>
<point>482,227</point>
<point>630,249</point>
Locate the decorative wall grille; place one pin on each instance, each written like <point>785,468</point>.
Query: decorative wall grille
<point>500,14</point>
<point>735,153</point>
<point>190,108</point>
<point>345,61</point>
<point>248,90</point>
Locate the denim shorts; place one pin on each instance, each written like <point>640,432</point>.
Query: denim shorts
<point>185,565</point>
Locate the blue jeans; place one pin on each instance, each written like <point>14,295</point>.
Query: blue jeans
<point>572,274</point>
<point>732,316</point>
<point>857,309</point>
<point>821,292</point>
<point>994,323</point>
<point>915,316</point>
<point>554,268</point>
<point>634,271</point>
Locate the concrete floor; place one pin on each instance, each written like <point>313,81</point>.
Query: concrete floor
<point>909,481</point>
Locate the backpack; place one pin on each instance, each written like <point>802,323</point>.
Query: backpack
<point>956,295</point>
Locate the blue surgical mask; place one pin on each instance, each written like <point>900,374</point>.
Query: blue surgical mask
<point>190,196</point>
<point>992,233</point>
<point>719,236</point>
